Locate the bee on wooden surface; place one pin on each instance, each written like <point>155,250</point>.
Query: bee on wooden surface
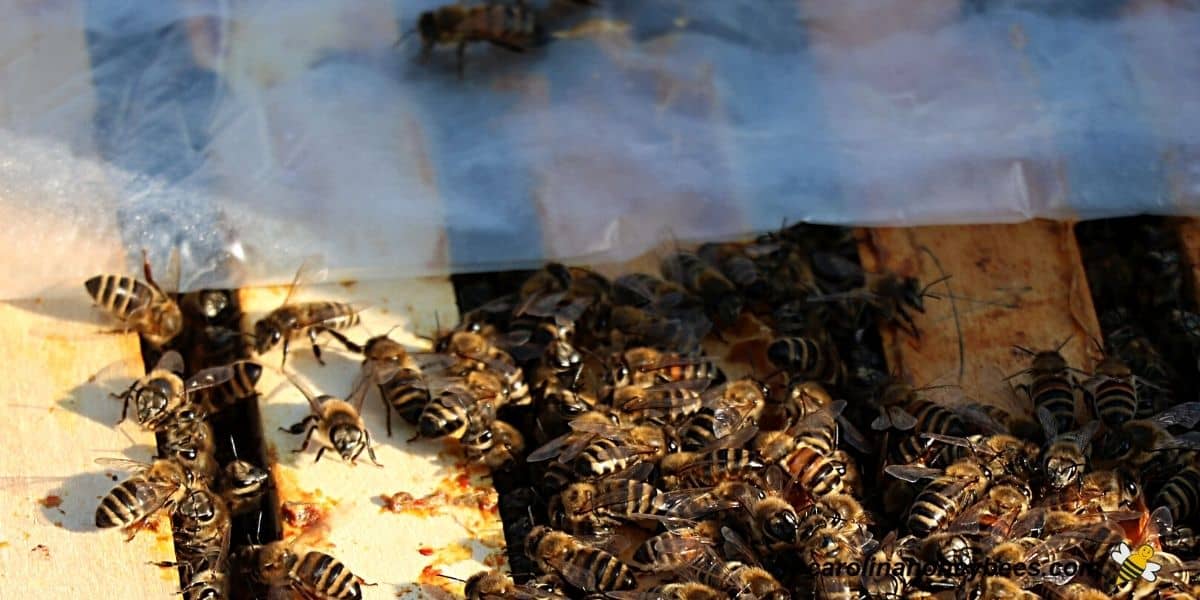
<point>190,442</point>
<point>202,520</point>
<point>512,27</point>
<point>388,365</point>
<point>311,574</point>
<point>243,484</point>
<point>807,358</point>
<point>141,306</point>
<point>291,321</point>
<point>583,566</point>
<point>720,296</point>
<point>494,585</point>
<point>890,298</point>
<point>1065,457</point>
<point>1052,386</point>
<point>1112,391</point>
<point>162,392</point>
<point>339,423</point>
<point>153,486</point>
<point>497,444</point>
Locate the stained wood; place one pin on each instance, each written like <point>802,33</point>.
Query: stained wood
<point>1033,269</point>
<point>459,535</point>
<point>59,420</point>
<point>1189,238</point>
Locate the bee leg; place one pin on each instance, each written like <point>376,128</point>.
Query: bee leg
<point>387,409</point>
<point>126,395</point>
<point>370,450</point>
<point>320,452</point>
<point>283,362</point>
<point>911,326</point>
<point>298,428</point>
<point>316,348</point>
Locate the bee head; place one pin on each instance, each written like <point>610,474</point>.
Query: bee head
<point>347,439</point>
<point>152,401</point>
<point>428,26</point>
<point>1060,471</point>
<point>266,336</point>
<point>782,526</point>
<point>169,321</point>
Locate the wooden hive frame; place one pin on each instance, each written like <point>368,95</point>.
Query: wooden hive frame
<point>61,417</point>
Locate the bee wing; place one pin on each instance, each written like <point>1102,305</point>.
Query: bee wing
<point>948,439</point>
<point>358,394</point>
<point>1188,441</point>
<point>1046,419</point>
<point>123,464</point>
<point>1150,574</point>
<point>695,385</point>
<point>1185,415</point>
<point>911,473</point>
<point>656,401</point>
<point>170,361</point>
<point>312,270</point>
<point>883,422</point>
<point>1057,572</point>
<point>733,440</point>
<point>539,304</point>
<point>1121,552</point>
<point>976,416</point>
<point>726,421</point>
<point>737,547</point>
<point>550,449</point>
<point>207,378</point>
<point>381,374</point>
<point>639,472</point>
<point>900,418</point>
<point>848,432</point>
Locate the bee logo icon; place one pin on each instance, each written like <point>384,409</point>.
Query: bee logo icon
<point>1134,563</point>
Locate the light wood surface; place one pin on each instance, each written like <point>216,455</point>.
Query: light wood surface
<point>402,552</point>
<point>59,420</point>
<point>1032,270</point>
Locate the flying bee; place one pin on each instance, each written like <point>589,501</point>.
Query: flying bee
<point>455,412</point>
<point>153,486</point>
<point>647,367</point>
<point>1138,442</point>
<point>1065,457</point>
<point>141,306</point>
<point>311,574</point>
<point>163,391</point>
<point>945,496</point>
<point>291,321</point>
<point>339,423</point>
<point>512,27</point>
<point>1052,385</point>
<point>807,358</point>
<point>720,296</point>
<point>583,566</point>
<point>726,408</point>
<point>243,485</point>
<point>497,445</point>
<point>494,585</point>
<point>388,365</point>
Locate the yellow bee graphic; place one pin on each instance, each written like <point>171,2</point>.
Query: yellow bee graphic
<point>1134,563</point>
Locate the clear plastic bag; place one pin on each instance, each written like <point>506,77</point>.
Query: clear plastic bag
<point>249,135</point>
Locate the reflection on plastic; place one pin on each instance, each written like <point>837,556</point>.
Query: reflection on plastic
<point>253,134</point>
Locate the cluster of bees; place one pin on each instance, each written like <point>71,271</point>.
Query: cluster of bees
<point>516,27</point>
<point>652,473</point>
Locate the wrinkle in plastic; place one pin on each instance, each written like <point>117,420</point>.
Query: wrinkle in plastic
<point>249,135</point>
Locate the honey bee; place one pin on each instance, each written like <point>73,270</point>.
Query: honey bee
<point>1065,457</point>
<point>561,292</point>
<point>734,263</point>
<point>388,365</point>
<point>620,447</point>
<point>558,402</point>
<point>338,422</point>
<point>724,410</point>
<point>512,27</point>
<point>455,412</point>
<point>586,507</point>
<point>1103,491</point>
<point>1052,386</point>
<point>474,353</point>
<point>243,485</point>
<point>153,486</point>
<point>719,294</point>
<point>807,358</point>
<point>774,524</point>
<point>494,585</point>
<point>190,442</point>
<point>1112,391</point>
<point>141,306</point>
<point>647,367</point>
<point>682,544</point>
<point>674,591</point>
<point>311,574</point>
<point>162,392</point>
<point>585,567</point>
<point>291,321</point>
<point>1140,441</point>
<point>724,459</point>
<point>808,451</point>
<point>890,297</point>
<point>498,444</point>
<point>1181,492</point>
<point>244,375</point>
<point>949,492</point>
<point>202,519</point>
<point>888,575</point>
<point>736,577</point>
<point>669,403</point>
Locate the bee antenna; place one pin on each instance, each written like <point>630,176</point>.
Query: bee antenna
<point>962,351</point>
<point>1064,343</point>
<point>1024,349</point>
<point>452,578</point>
<point>404,36</point>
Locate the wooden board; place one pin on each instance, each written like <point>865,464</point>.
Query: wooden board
<point>401,552</point>
<point>1189,244</point>
<point>1032,270</point>
<point>60,419</point>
